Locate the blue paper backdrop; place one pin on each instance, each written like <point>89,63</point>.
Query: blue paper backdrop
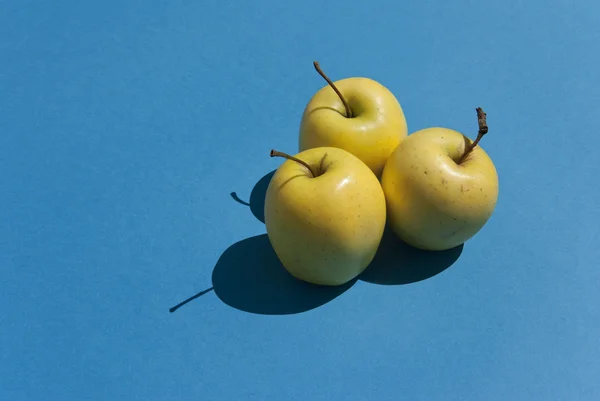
<point>126,126</point>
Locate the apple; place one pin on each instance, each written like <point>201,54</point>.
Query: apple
<point>357,114</point>
<point>325,215</point>
<point>441,188</point>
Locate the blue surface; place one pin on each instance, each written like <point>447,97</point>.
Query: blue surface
<point>126,126</point>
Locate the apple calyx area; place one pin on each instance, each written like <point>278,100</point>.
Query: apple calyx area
<point>483,129</point>
<point>321,73</point>
<point>313,172</point>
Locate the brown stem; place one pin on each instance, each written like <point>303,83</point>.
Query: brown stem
<point>320,71</point>
<point>275,153</point>
<point>483,129</point>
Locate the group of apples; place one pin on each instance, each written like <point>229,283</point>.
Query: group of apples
<point>357,169</point>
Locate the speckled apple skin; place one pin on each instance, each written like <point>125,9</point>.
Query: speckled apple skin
<point>377,127</point>
<point>433,203</point>
<point>325,230</point>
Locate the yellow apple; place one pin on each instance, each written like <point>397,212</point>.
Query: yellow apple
<point>374,128</point>
<point>435,201</point>
<point>325,215</point>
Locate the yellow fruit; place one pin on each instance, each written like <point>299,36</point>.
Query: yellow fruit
<point>433,202</point>
<point>325,229</point>
<point>374,130</point>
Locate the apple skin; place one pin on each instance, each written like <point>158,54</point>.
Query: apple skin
<point>433,203</point>
<point>377,127</point>
<point>325,230</point>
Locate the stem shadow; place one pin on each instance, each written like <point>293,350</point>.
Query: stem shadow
<point>190,299</point>
<point>328,108</point>
<point>257,197</point>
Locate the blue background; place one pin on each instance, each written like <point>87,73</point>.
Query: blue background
<point>126,126</point>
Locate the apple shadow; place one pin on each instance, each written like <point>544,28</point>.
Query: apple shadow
<point>257,197</point>
<point>249,277</point>
<point>398,263</point>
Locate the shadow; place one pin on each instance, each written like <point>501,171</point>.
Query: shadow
<point>236,198</point>
<point>190,299</point>
<point>250,277</point>
<point>327,108</point>
<point>257,197</point>
<point>398,263</point>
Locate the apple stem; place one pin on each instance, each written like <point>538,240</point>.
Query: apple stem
<point>275,153</point>
<point>483,129</point>
<point>320,71</point>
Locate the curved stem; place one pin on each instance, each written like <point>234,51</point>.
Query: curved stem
<point>320,71</point>
<point>483,129</point>
<point>275,153</point>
